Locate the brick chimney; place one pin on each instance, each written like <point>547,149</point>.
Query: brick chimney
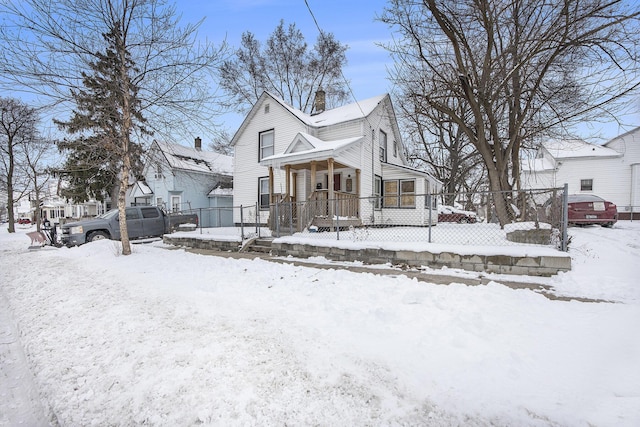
<point>320,102</point>
<point>198,143</point>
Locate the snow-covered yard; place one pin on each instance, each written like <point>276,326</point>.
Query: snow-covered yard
<point>166,337</point>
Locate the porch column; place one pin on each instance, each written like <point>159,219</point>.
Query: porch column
<point>313,176</point>
<point>294,186</point>
<point>330,171</point>
<point>330,193</point>
<point>272,197</point>
<point>287,170</point>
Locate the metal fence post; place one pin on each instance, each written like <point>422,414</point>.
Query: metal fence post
<point>200,219</point>
<point>257,221</point>
<point>277,219</point>
<point>241,223</point>
<point>565,217</point>
<point>430,217</point>
<point>291,218</point>
<point>336,210</point>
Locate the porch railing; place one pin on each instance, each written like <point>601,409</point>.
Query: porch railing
<point>291,215</point>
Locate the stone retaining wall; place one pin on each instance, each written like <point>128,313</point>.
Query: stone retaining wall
<point>504,264</point>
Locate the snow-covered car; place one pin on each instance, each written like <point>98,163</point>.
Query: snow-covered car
<point>453,214</point>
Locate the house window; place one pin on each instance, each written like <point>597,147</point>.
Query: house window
<point>586,185</point>
<point>266,144</point>
<point>395,148</point>
<point>263,193</point>
<point>377,192</point>
<point>266,108</point>
<point>399,194</point>
<point>408,193</point>
<point>390,195</point>
<point>158,174</point>
<point>159,202</point>
<point>383,146</point>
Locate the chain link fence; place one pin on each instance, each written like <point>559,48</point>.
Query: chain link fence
<point>480,219</point>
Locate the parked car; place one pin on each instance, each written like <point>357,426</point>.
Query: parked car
<point>142,222</point>
<point>24,221</point>
<point>586,209</point>
<point>453,214</point>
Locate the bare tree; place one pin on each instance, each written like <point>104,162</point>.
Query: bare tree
<point>47,45</point>
<point>18,122</point>
<point>439,146</point>
<point>286,67</point>
<point>522,69</point>
<point>36,154</point>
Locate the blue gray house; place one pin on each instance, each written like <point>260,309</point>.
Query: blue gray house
<point>180,178</point>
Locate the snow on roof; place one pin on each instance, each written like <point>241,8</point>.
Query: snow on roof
<point>144,188</point>
<point>537,165</point>
<point>355,110</point>
<point>187,158</point>
<point>573,148</point>
<point>317,146</point>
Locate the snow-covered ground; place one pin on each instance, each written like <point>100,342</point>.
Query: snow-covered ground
<point>166,337</point>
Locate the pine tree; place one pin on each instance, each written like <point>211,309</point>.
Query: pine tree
<point>106,117</point>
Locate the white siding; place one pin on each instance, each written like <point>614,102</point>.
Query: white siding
<point>247,170</point>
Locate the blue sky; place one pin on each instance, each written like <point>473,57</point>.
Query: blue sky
<point>353,22</point>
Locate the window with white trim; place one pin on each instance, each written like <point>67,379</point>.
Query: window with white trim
<point>266,144</point>
<point>399,193</point>
<point>263,193</point>
<point>383,146</point>
<point>586,185</point>
<point>377,192</point>
<point>175,203</point>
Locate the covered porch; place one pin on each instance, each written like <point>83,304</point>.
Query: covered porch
<point>331,190</point>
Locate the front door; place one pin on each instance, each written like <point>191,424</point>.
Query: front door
<point>337,181</point>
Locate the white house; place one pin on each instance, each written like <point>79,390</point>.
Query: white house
<point>611,171</point>
<point>183,178</point>
<point>352,155</point>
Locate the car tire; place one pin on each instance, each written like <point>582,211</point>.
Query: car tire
<point>97,235</point>
<point>608,225</point>
<point>464,220</point>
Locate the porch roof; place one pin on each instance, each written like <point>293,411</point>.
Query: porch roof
<point>306,148</point>
<point>141,189</point>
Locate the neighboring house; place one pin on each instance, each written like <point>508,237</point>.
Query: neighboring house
<point>353,154</point>
<point>180,178</point>
<point>611,171</point>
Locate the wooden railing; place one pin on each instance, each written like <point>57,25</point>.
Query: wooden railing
<point>319,205</point>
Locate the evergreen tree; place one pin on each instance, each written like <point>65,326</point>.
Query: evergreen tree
<point>106,116</point>
<point>95,159</point>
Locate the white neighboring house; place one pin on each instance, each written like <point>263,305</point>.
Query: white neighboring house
<point>352,154</point>
<point>180,178</point>
<point>611,171</point>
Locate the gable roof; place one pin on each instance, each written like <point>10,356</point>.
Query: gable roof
<point>189,159</point>
<point>307,147</point>
<point>346,113</point>
<point>577,148</point>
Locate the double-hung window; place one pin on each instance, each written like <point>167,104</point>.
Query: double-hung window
<point>266,144</point>
<point>408,193</point>
<point>263,192</point>
<point>399,194</point>
<point>383,146</point>
<point>586,185</point>
<point>377,192</point>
